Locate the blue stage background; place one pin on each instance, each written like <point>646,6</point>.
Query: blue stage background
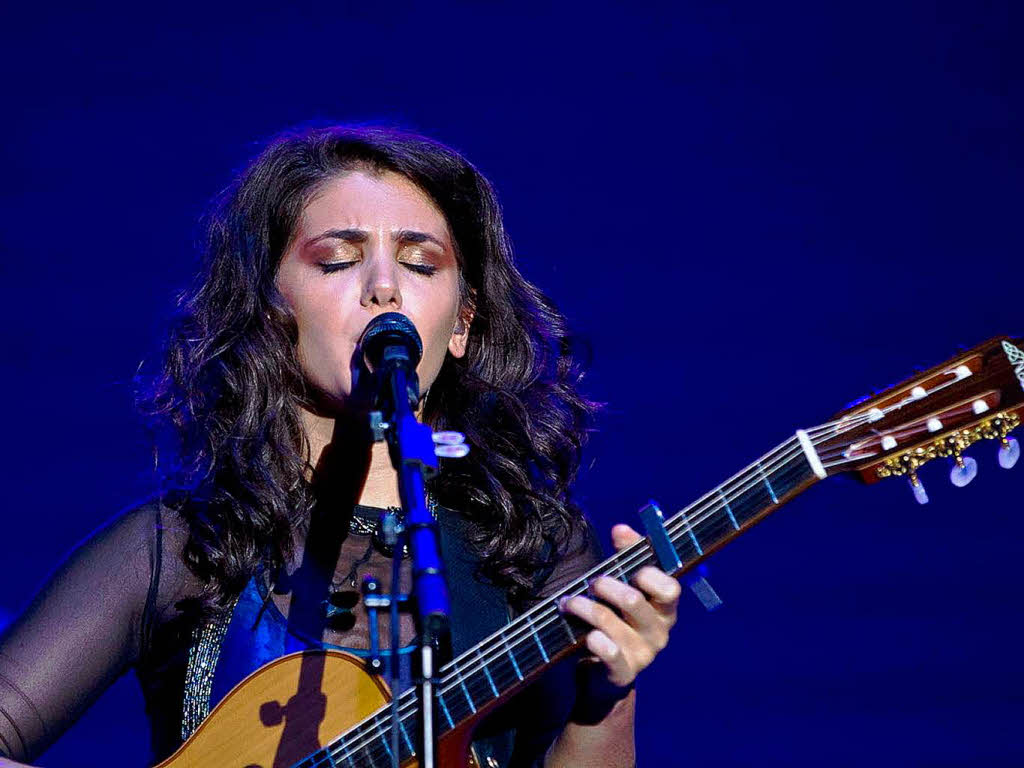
<point>752,213</point>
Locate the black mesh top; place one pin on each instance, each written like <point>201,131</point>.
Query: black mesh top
<point>125,599</point>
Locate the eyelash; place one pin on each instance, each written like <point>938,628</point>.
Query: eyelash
<point>426,270</point>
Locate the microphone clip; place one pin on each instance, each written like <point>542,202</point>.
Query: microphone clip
<point>448,444</point>
<point>378,426</point>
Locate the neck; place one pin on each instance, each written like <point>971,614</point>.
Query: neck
<point>348,463</point>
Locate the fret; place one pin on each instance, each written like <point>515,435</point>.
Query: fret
<point>790,475</point>
<point>317,759</point>
<point>444,708</point>
<point>477,682</point>
<point>728,510</point>
<point>713,522</point>
<point>748,502</point>
<point>383,738</point>
<point>512,656</point>
<point>483,664</point>
<point>405,735</point>
<point>550,632</point>
<point>771,491</point>
<point>369,756</point>
<point>465,690</point>
<point>536,639</point>
<point>526,653</point>
<point>501,669</point>
<point>693,536</point>
<point>568,627</point>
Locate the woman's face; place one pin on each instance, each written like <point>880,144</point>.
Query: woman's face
<point>368,244</point>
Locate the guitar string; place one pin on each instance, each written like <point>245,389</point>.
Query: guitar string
<point>628,559</point>
<point>844,425</point>
<point>861,420</point>
<point>516,637</point>
<point>826,458</point>
<point>639,555</point>
<point>373,728</point>
<point>630,556</point>
<point>838,428</point>
<point>473,668</point>
<point>837,458</point>
<point>865,416</point>
<point>688,523</point>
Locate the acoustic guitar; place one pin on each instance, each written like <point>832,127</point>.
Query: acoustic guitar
<point>322,709</point>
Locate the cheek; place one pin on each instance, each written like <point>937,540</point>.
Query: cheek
<point>326,339</point>
<point>436,329</point>
<point>433,356</point>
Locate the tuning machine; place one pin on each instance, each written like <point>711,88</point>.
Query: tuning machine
<point>1009,452</point>
<point>917,487</point>
<point>952,445</point>
<point>999,428</point>
<point>964,468</point>
<point>907,463</point>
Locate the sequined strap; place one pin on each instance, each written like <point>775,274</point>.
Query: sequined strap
<point>202,662</point>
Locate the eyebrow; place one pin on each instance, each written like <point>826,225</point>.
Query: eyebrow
<point>360,236</point>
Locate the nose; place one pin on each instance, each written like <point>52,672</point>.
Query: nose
<point>380,283</point>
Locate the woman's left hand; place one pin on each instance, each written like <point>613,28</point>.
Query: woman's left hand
<point>629,643</point>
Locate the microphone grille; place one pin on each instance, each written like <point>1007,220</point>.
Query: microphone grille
<point>391,328</point>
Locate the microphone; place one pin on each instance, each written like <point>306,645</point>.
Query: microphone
<point>390,343</point>
<point>391,339</point>
<point>391,348</point>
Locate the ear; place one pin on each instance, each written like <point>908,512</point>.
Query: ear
<point>460,334</point>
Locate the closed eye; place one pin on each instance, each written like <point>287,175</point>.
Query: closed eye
<point>421,269</point>
<point>337,266</point>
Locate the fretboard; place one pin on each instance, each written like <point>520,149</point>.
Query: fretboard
<point>504,662</point>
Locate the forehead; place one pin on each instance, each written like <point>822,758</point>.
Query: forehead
<point>363,200</point>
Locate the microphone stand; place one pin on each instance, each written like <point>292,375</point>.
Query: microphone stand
<point>411,448</point>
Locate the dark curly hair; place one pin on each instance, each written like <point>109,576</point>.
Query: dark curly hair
<point>231,388</point>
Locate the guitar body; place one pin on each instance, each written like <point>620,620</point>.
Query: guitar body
<point>290,708</point>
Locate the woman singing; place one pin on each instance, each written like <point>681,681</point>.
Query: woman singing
<point>267,520</point>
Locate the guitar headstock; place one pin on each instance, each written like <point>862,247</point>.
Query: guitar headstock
<point>975,396</point>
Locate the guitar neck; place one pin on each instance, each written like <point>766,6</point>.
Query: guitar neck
<point>506,661</point>
<point>939,412</point>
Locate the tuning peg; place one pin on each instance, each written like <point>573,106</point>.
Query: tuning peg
<point>964,470</point>
<point>1009,452</point>
<point>919,492</point>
